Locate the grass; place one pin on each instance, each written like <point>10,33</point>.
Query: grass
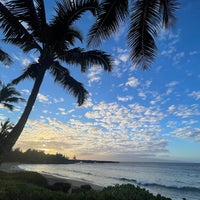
<point>33,186</point>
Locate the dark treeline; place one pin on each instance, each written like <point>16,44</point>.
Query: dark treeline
<point>35,156</point>
<point>32,156</point>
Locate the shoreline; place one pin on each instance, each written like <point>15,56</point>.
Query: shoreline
<point>51,179</point>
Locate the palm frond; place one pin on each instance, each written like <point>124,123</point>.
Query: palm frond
<point>87,59</point>
<point>62,76</point>
<point>15,99</point>
<point>70,11</point>
<point>25,10</point>
<point>5,129</point>
<point>110,15</point>
<point>6,126</point>
<point>60,38</point>
<point>168,9</point>
<point>14,31</point>
<point>9,95</point>
<point>30,72</point>
<point>144,25</point>
<point>9,106</point>
<point>5,58</point>
<point>39,4</point>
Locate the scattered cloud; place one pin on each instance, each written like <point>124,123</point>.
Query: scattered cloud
<point>94,75</point>
<point>42,98</point>
<point>172,84</point>
<point>195,95</point>
<point>132,82</point>
<point>125,99</point>
<point>56,100</point>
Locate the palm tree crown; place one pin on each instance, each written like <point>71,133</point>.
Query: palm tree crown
<point>24,24</point>
<point>9,95</point>
<point>145,19</point>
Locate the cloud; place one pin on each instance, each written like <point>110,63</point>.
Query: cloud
<point>168,41</point>
<point>132,82</point>
<point>172,84</point>
<point>109,129</point>
<point>178,57</point>
<point>94,75</point>
<point>42,98</point>
<point>58,100</point>
<point>124,57</point>
<point>25,61</point>
<point>125,99</point>
<point>26,91</point>
<point>195,95</point>
<point>187,132</point>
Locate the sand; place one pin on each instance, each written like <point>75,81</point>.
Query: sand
<point>13,167</point>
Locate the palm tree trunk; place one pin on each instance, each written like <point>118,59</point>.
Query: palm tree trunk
<point>18,128</point>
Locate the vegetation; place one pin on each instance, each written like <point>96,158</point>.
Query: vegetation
<point>5,128</point>
<point>33,186</point>
<point>145,20</point>
<point>54,42</point>
<point>24,25</point>
<point>33,156</point>
<point>9,95</point>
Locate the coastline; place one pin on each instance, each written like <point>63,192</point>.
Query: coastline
<point>13,167</point>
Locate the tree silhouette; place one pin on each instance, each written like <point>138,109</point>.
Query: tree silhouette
<point>5,129</point>
<point>24,24</point>
<point>145,19</point>
<point>9,95</point>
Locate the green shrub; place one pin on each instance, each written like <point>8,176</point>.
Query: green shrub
<point>14,190</point>
<point>28,177</point>
<point>33,186</point>
<point>60,186</point>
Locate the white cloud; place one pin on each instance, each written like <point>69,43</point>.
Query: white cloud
<point>172,84</point>
<point>125,99</point>
<point>25,61</point>
<point>195,95</point>
<point>171,108</point>
<point>42,98</point>
<point>58,100</point>
<point>132,82</point>
<point>124,57</point>
<point>142,95</point>
<point>94,75</point>
<point>178,57</point>
<point>26,92</point>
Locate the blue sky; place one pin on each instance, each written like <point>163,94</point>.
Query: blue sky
<point>130,115</point>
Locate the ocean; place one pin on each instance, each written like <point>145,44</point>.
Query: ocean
<point>173,180</point>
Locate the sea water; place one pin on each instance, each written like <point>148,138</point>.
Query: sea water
<point>173,180</point>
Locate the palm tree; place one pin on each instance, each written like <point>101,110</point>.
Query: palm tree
<point>5,129</point>
<point>24,24</point>
<point>146,19</point>
<point>9,95</point>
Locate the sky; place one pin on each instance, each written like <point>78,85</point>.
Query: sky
<point>130,114</point>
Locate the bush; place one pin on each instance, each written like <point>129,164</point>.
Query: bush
<point>118,192</point>
<point>28,177</point>
<point>11,190</point>
<point>60,186</point>
<point>33,186</point>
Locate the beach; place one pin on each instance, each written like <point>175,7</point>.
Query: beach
<point>172,180</point>
<point>14,167</point>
